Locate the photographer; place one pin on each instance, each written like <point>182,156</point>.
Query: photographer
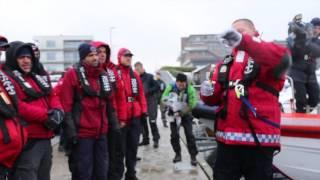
<point>304,44</point>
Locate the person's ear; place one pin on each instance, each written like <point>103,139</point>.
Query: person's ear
<point>256,33</point>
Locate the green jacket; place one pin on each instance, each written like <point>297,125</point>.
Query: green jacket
<point>190,92</point>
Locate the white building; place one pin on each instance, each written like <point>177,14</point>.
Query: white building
<point>59,52</point>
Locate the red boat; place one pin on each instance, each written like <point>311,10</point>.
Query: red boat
<point>300,146</point>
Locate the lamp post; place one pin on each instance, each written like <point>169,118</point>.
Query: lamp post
<point>110,40</point>
<point>110,35</point>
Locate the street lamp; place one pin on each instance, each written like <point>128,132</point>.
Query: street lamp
<point>110,40</point>
<point>110,35</point>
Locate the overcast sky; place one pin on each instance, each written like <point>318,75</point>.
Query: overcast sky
<point>150,28</point>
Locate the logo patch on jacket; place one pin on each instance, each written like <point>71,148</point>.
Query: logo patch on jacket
<point>223,69</point>
<point>249,67</point>
<point>240,56</point>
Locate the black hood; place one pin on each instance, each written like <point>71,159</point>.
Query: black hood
<point>11,55</point>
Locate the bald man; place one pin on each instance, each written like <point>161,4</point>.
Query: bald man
<point>246,86</point>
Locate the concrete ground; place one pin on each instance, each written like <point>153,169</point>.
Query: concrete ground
<point>156,164</point>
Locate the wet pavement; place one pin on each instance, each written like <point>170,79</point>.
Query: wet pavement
<point>155,164</point>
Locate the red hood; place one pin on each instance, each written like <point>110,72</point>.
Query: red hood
<point>120,53</point>
<point>109,65</point>
<point>98,44</point>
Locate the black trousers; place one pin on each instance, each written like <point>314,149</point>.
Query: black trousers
<point>152,121</point>
<point>115,154</point>
<point>163,112</point>
<point>302,89</point>
<point>130,139</point>
<point>34,162</point>
<point>3,173</point>
<point>89,159</point>
<point>186,123</point>
<point>234,161</point>
<point>62,139</point>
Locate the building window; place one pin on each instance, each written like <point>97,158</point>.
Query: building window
<point>51,56</point>
<point>72,44</point>
<point>73,55</point>
<point>51,44</point>
<point>54,67</point>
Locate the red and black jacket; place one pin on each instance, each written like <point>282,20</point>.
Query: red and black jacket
<point>233,127</point>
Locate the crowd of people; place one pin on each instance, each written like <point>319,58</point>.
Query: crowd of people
<point>104,108</point>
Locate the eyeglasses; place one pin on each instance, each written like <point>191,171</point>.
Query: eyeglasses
<point>128,55</point>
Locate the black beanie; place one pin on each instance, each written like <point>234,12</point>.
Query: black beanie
<point>85,49</point>
<point>315,21</point>
<point>181,77</point>
<point>24,51</point>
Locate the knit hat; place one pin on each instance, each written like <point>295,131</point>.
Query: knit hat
<point>24,51</point>
<point>85,49</point>
<point>315,21</point>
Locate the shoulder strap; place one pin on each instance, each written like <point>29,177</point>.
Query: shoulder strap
<point>224,69</point>
<point>223,79</point>
<point>24,85</point>
<point>43,82</point>
<point>84,83</point>
<point>7,109</point>
<point>134,83</point>
<point>105,88</point>
<point>174,87</point>
<point>112,77</point>
<point>9,87</point>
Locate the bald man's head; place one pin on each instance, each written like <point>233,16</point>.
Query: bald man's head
<point>245,26</point>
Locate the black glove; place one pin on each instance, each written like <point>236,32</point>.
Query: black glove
<point>70,131</point>
<point>144,116</point>
<point>112,118</point>
<point>71,142</point>
<point>231,38</point>
<point>55,118</point>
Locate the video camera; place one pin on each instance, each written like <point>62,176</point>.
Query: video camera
<point>300,29</point>
<point>173,103</point>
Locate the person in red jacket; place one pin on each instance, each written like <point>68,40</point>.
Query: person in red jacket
<point>104,51</point>
<point>136,108</point>
<point>32,89</point>
<point>87,93</point>
<point>118,121</point>
<point>13,135</point>
<point>246,86</point>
